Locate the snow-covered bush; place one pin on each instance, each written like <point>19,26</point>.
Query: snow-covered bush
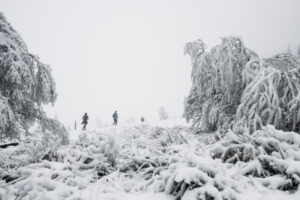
<point>171,136</point>
<point>233,88</point>
<point>47,168</point>
<point>25,83</point>
<point>38,146</point>
<point>266,153</point>
<point>111,150</point>
<point>106,146</point>
<point>268,159</point>
<point>198,176</point>
<point>56,128</point>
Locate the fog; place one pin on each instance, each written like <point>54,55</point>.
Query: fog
<point>128,55</point>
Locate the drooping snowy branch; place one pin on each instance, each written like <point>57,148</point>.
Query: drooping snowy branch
<point>271,96</point>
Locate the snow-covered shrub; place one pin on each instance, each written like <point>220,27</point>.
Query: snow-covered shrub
<point>63,172</point>
<point>56,128</point>
<point>183,178</point>
<point>199,177</point>
<point>25,83</point>
<point>268,159</point>
<point>111,150</point>
<point>171,136</point>
<point>38,147</point>
<point>46,147</point>
<point>266,153</point>
<point>44,180</point>
<point>216,82</point>
<point>99,153</point>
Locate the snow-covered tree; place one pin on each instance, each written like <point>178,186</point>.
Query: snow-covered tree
<point>216,82</point>
<point>25,84</point>
<point>298,50</point>
<point>163,113</point>
<point>273,95</point>
<point>233,88</point>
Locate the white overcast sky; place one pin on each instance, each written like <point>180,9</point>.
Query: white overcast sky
<point>128,55</point>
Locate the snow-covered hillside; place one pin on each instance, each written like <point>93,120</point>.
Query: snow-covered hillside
<point>163,161</point>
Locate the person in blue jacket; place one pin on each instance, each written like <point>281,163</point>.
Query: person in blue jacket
<point>115,117</point>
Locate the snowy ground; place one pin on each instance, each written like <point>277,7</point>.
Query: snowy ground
<point>135,162</point>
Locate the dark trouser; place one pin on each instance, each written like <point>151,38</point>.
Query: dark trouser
<point>115,122</point>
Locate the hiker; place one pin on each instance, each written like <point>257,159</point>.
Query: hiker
<point>142,119</point>
<point>84,121</point>
<point>115,117</point>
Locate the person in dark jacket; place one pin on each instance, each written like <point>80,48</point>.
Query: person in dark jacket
<point>142,119</point>
<point>115,117</point>
<point>84,121</point>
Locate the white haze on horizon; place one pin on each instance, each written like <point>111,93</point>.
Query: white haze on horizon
<point>128,55</point>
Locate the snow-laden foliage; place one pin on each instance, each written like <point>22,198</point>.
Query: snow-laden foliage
<point>271,96</point>
<point>7,118</point>
<point>25,83</point>
<point>268,154</point>
<point>55,128</point>
<point>216,82</point>
<point>233,88</point>
<point>36,147</point>
<point>268,159</point>
<point>126,163</point>
<point>47,166</point>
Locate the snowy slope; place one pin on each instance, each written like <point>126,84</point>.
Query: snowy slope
<point>143,162</point>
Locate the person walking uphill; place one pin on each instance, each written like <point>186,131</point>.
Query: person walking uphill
<point>84,121</point>
<point>115,117</point>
